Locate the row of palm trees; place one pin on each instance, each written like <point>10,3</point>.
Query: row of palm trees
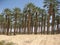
<point>31,20</point>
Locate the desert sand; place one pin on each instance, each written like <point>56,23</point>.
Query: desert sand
<point>32,39</point>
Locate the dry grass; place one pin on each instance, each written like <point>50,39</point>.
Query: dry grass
<point>32,39</point>
<point>3,42</point>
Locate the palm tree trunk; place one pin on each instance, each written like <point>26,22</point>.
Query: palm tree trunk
<point>29,23</point>
<point>15,28</point>
<point>22,27</point>
<point>11,29</point>
<point>35,31</point>
<point>53,21</point>
<point>50,13</point>
<point>3,28</point>
<point>25,25</point>
<point>58,26</point>
<point>15,24</point>
<point>48,24</point>
<point>44,26</point>
<point>19,29</point>
<point>8,24</point>
<point>39,26</point>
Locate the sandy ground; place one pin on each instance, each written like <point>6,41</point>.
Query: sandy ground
<point>32,39</point>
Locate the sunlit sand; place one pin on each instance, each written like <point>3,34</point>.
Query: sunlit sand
<point>32,39</point>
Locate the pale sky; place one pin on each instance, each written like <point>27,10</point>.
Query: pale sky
<point>18,3</point>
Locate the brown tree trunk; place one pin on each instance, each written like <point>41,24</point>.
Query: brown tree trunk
<point>53,21</point>
<point>48,24</point>
<point>39,26</point>
<point>58,26</point>
<point>15,24</point>
<point>35,31</point>
<point>44,26</point>
<point>8,26</point>
<point>29,24</point>
<point>24,24</point>
<point>19,29</point>
<point>22,27</point>
<point>50,13</point>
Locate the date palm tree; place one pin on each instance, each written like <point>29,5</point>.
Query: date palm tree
<point>16,13</point>
<point>57,19</point>
<point>44,18</point>
<point>52,6</point>
<point>1,22</point>
<point>29,11</point>
<point>36,11</point>
<point>7,15</point>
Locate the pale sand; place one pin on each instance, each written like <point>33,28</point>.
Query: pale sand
<point>32,39</point>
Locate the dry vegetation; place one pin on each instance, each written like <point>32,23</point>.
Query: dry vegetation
<point>32,39</point>
<point>3,42</point>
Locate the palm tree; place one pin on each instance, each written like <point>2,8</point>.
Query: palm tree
<point>36,19</point>
<point>11,23</point>
<point>57,19</point>
<point>51,4</point>
<point>44,20</point>
<point>29,21</point>
<point>16,14</point>
<point>23,23</point>
<point>25,19</point>
<point>7,14</point>
<point>20,25</point>
<point>29,10</point>
<point>1,22</point>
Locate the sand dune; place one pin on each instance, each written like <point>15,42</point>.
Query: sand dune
<point>32,39</point>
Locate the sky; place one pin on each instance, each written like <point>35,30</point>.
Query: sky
<point>18,3</point>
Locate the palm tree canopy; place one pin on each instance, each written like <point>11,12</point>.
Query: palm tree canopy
<point>7,11</point>
<point>17,10</point>
<point>29,7</point>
